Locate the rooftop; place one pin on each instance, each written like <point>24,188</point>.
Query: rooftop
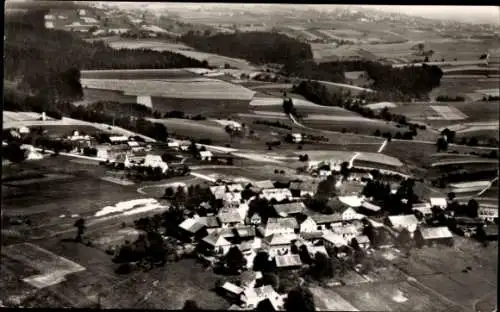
<point>191,225</point>
<point>216,240</point>
<point>209,221</point>
<point>232,288</point>
<point>290,222</point>
<point>229,217</point>
<point>290,208</point>
<point>265,184</point>
<point>281,239</point>
<point>370,206</point>
<point>436,232</point>
<point>288,261</point>
<point>403,220</point>
<point>324,218</point>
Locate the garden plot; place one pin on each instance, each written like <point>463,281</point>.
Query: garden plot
<point>329,300</point>
<point>448,112</point>
<point>52,267</point>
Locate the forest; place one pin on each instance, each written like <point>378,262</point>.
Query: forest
<point>255,47</point>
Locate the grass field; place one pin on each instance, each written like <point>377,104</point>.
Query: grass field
<point>465,86</point>
<point>138,74</point>
<point>355,125</point>
<point>195,128</point>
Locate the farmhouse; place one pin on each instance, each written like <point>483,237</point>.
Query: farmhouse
<point>155,161</point>
<point>308,225</point>
<point>488,213</point>
<point>192,229</point>
<point>351,200</point>
<point>290,209</point>
<point>422,210</point>
<point>279,226</point>
<point>300,189</point>
<point>262,185</point>
<point>278,194</point>
<point>331,239</point>
<point>231,290</point>
<point>408,222</point>
<point>313,250</point>
<point>325,221</point>
<point>433,235</point>
<point>439,202</point>
<point>279,244</point>
<point>245,231</point>
<point>229,219</point>
<point>206,155</point>
<point>252,296</point>
<point>118,139</point>
<point>288,261</point>
<point>173,145</point>
<point>216,243</point>
<point>363,241</point>
<point>369,209</point>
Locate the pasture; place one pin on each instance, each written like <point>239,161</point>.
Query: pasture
<point>199,129</point>
<point>358,125</point>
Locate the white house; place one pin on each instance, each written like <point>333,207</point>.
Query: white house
<point>217,242</point>
<point>308,225</point>
<point>155,161</point>
<point>408,222</point>
<point>487,213</point>
<point>348,232</point>
<point>331,239</point>
<point>173,145</point>
<point>118,139</point>
<point>280,244</point>
<point>206,155</point>
<point>280,226</point>
<point>439,202</point>
<point>251,297</point>
<point>277,194</point>
<point>296,137</point>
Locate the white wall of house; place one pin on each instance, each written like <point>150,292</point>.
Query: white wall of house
<point>308,226</point>
<point>487,214</point>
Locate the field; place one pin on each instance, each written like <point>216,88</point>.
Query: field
<point>352,124</point>
<point>196,88</point>
<point>304,107</point>
<point>347,156</point>
<point>138,74</point>
<point>466,86</point>
<point>212,59</point>
<point>195,128</point>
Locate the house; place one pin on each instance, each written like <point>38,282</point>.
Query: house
<point>218,191</point>
<point>243,209</point>
<point>331,239</point>
<point>252,296</point>
<point>313,250</point>
<point>288,261</point>
<point>278,194</point>
<point>279,244</point>
<point>433,235</point>
<point>135,146</point>
<point>255,219</point>
<point>262,185</point>
<point>279,226</point>
<point>324,173</point>
<point>245,231</point>
<point>369,209</point>
<point>422,210</point>
<point>290,209</point>
<point>173,145</point>
<point>324,221</point>
<point>206,155</point>
<point>303,188</point>
<point>408,222</point>
<point>308,225</point>
<point>351,200</point>
<point>313,237</point>
<point>118,31</point>
<point>191,228</point>
<point>439,202</point>
<point>210,222</point>
<point>232,199</point>
<point>296,137</point>
<point>487,213</point>
<point>155,161</point>
<point>249,278</point>
<point>348,231</point>
<point>232,291</point>
<point>216,243</point>
<point>229,218</point>
<point>118,139</point>
<point>363,241</point>
<point>234,188</point>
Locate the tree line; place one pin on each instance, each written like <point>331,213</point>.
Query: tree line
<point>256,47</point>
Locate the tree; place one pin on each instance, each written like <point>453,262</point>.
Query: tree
<point>270,279</point>
<point>14,153</point>
<point>261,262</point>
<point>169,192</point>
<point>80,226</point>
<point>300,299</point>
<point>304,255</point>
<point>472,208</point>
<point>322,266</point>
<point>344,170</point>
<point>235,260</point>
<point>442,144</point>
<point>190,305</point>
<point>377,132</point>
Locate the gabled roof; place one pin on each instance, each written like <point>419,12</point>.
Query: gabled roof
<point>290,208</point>
<point>290,223</point>
<point>265,184</point>
<point>370,206</point>
<point>247,277</point>
<point>315,249</point>
<point>403,220</point>
<point>337,205</point>
<point>245,231</point>
<point>436,232</point>
<point>363,239</point>
<point>230,287</point>
<point>191,225</point>
<point>306,186</point>
<point>334,238</point>
<point>218,191</point>
<point>209,221</point>
<point>351,200</point>
<point>345,229</point>
<point>324,218</point>
<point>287,261</point>
<point>206,154</point>
<point>235,187</point>
<point>216,240</point>
<point>280,239</point>
<point>229,217</point>
<point>438,201</point>
<point>274,192</point>
<point>311,235</point>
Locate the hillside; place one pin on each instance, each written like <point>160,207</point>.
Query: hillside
<point>256,47</point>
<point>38,57</point>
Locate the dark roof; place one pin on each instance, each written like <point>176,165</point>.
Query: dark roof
<point>324,218</point>
<point>210,221</point>
<point>245,231</point>
<point>290,223</point>
<point>311,235</point>
<point>229,217</point>
<point>290,208</point>
<point>336,204</point>
<point>490,231</point>
<point>287,261</point>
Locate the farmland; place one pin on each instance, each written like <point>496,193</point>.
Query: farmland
<point>191,128</point>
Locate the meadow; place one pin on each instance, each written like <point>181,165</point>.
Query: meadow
<point>196,129</point>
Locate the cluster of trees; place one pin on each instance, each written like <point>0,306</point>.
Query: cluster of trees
<point>381,193</point>
<point>13,153</point>
<point>256,47</point>
<point>273,124</point>
<point>469,210</point>
<point>289,108</point>
<point>394,83</point>
<point>193,198</point>
<point>448,136</point>
<point>33,56</point>
<point>447,98</point>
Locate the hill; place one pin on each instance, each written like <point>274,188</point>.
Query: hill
<point>256,47</point>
